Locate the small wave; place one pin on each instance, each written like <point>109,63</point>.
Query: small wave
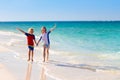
<point>111,56</point>
<point>8,33</point>
<point>94,68</point>
<point>14,42</point>
<point>46,71</point>
<point>11,38</point>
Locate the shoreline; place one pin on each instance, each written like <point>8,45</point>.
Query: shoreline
<point>14,58</point>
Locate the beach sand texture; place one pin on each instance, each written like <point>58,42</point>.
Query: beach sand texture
<point>14,68</point>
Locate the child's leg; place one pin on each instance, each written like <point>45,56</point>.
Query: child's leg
<point>32,54</point>
<point>44,53</point>
<point>29,55</point>
<point>47,54</point>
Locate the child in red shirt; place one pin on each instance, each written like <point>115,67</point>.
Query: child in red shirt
<point>30,41</point>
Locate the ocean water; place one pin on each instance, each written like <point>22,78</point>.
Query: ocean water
<point>80,42</point>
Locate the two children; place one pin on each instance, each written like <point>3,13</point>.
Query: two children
<point>44,38</point>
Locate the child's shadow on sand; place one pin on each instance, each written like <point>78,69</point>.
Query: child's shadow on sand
<point>84,66</point>
<point>43,70</point>
<point>29,70</point>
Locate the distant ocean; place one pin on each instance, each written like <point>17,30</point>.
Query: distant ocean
<point>78,40</point>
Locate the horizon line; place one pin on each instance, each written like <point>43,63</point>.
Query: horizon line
<point>62,21</point>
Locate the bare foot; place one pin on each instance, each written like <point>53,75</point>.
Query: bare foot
<point>43,60</point>
<point>32,60</point>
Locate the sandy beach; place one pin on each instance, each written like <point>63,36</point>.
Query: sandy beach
<point>14,67</point>
<point>5,74</point>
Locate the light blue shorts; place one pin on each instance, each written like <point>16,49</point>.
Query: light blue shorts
<point>46,45</point>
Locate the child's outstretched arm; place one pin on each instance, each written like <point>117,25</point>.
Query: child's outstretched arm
<point>21,30</point>
<point>53,28</point>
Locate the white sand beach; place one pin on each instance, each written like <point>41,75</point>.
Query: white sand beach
<point>14,65</point>
<point>12,68</point>
<point>16,69</point>
<point>5,74</point>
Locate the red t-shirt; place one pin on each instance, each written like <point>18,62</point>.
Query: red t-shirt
<point>30,39</point>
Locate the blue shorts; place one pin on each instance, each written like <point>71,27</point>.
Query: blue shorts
<point>31,48</point>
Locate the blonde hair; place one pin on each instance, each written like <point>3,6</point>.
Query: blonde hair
<point>30,30</point>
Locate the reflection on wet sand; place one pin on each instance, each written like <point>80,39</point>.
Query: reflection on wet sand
<point>29,69</point>
<point>43,75</point>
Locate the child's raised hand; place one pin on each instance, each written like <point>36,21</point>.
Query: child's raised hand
<point>53,27</point>
<point>20,30</point>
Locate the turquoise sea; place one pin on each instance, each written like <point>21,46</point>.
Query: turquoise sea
<point>78,38</point>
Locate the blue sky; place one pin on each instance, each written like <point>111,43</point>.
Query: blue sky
<point>60,10</point>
